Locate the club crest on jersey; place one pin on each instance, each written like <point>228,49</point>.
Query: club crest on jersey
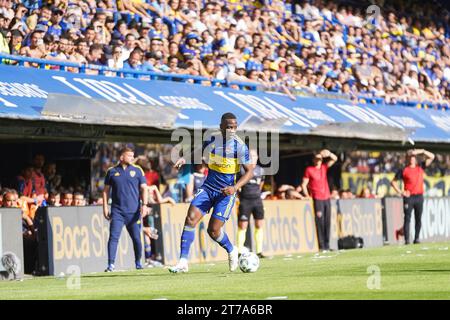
<point>132,173</point>
<point>116,174</point>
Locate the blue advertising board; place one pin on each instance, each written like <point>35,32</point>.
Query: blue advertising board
<point>24,93</point>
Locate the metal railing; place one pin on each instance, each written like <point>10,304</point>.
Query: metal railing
<point>8,59</point>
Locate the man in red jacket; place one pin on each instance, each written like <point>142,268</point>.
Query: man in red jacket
<point>412,176</point>
<point>315,180</point>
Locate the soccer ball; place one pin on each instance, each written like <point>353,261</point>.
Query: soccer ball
<point>248,262</point>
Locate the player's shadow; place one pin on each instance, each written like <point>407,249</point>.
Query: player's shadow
<point>118,275</point>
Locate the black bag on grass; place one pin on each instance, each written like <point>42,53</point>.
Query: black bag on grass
<point>350,242</point>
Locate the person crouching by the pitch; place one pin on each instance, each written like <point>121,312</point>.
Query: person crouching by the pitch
<point>315,182</point>
<point>251,203</point>
<point>412,176</point>
<point>127,184</point>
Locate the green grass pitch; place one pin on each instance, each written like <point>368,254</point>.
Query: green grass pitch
<point>419,271</point>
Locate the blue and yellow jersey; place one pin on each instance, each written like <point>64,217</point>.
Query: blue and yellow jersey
<point>224,159</point>
<point>125,185</point>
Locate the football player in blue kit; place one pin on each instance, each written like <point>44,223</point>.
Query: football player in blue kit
<point>224,153</point>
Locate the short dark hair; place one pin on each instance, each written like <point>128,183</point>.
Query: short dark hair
<point>126,149</point>
<point>227,116</point>
<point>66,192</point>
<point>95,46</point>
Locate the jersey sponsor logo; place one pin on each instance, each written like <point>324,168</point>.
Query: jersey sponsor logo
<point>132,173</point>
<point>223,164</point>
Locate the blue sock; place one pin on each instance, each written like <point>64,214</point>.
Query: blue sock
<point>187,237</point>
<point>224,242</point>
<point>148,251</point>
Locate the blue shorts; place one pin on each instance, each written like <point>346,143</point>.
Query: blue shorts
<point>205,199</point>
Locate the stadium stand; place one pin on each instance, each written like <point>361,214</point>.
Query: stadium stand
<point>400,56</point>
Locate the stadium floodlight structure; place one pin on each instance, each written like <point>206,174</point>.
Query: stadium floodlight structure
<point>77,109</point>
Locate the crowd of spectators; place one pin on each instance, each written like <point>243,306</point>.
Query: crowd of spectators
<point>175,185</point>
<point>38,184</point>
<point>400,55</point>
<point>390,162</point>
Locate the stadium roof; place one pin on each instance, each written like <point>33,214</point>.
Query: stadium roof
<point>145,106</point>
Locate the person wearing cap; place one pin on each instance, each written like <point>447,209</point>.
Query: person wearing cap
<point>190,47</point>
<point>55,27</point>
<point>412,177</point>
<point>144,29</point>
<point>315,182</point>
<point>274,71</point>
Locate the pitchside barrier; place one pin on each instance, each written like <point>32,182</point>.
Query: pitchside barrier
<point>435,220</point>
<point>381,184</point>
<point>75,239</point>
<point>289,228</point>
<point>358,217</point>
<point>11,238</point>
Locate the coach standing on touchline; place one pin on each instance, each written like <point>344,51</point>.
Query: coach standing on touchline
<point>412,176</point>
<point>315,179</point>
<point>128,183</point>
